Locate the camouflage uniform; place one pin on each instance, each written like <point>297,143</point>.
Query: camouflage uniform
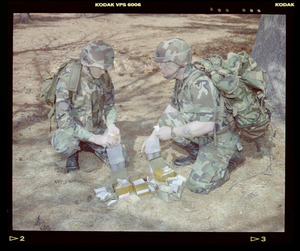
<point>80,114</point>
<point>197,99</point>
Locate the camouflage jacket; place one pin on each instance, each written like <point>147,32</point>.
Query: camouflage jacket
<point>81,113</point>
<point>197,96</point>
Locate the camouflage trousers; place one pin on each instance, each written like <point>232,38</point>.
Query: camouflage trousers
<point>210,169</point>
<point>67,145</point>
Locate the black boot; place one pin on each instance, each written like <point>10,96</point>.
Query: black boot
<point>72,163</point>
<point>85,147</point>
<point>193,149</point>
<point>99,151</point>
<point>235,160</point>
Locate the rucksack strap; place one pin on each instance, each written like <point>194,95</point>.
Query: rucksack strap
<point>226,128</point>
<point>72,85</point>
<point>75,76</point>
<point>51,115</point>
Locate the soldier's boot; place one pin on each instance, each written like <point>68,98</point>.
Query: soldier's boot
<point>235,160</point>
<point>193,149</point>
<point>72,163</point>
<point>85,147</point>
<point>99,152</point>
<point>92,148</point>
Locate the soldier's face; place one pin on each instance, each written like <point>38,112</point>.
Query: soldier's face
<point>96,72</point>
<point>168,68</point>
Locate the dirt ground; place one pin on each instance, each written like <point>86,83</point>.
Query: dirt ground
<point>45,198</point>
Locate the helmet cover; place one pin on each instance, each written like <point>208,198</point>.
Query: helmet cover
<point>174,50</point>
<point>99,54</point>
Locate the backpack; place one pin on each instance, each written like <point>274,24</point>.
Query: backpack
<point>48,86</point>
<point>241,84</point>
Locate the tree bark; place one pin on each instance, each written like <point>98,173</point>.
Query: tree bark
<point>269,51</point>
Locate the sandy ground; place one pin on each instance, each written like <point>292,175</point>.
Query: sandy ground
<point>45,198</point>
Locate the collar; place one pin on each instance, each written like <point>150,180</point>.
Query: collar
<point>86,73</point>
<point>186,75</point>
<point>187,72</point>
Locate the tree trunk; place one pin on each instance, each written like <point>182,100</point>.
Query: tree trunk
<point>269,51</point>
<point>25,18</point>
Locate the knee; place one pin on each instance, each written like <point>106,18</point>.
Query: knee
<point>65,144</point>
<point>207,178</point>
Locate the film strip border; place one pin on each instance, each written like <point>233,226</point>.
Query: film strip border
<point>151,6</point>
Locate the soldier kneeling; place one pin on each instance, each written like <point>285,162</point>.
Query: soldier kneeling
<point>190,120</point>
<point>79,114</point>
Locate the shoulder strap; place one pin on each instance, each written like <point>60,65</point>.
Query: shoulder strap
<point>75,76</point>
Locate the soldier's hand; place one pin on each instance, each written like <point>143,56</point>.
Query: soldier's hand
<point>114,132</point>
<point>164,133</point>
<point>104,140</point>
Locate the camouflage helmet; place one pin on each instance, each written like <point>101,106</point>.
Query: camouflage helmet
<point>174,50</point>
<point>99,54</point>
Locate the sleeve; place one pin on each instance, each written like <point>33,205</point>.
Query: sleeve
<point>110,112</point>
<point>203,98</point>
<point>63,111</point>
